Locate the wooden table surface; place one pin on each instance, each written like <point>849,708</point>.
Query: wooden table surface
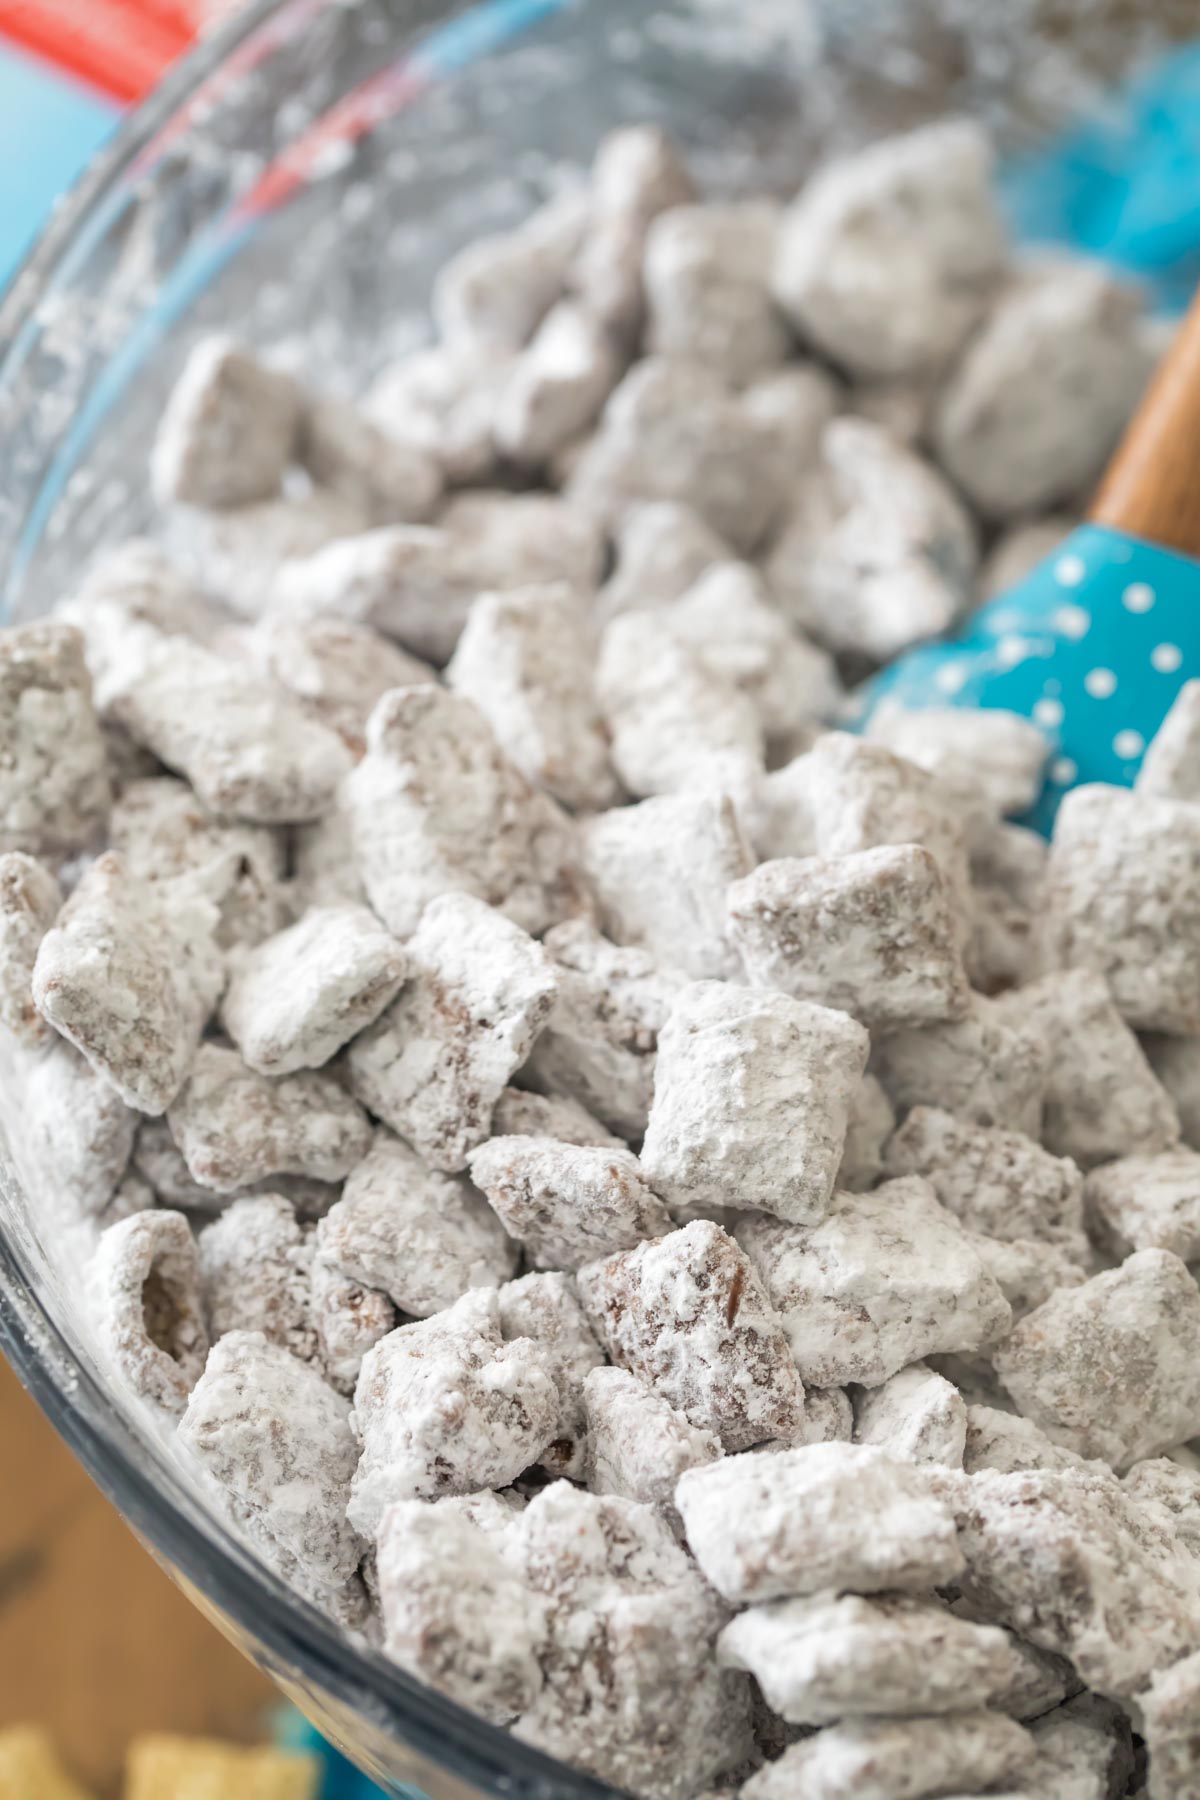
<point>95,1641</point>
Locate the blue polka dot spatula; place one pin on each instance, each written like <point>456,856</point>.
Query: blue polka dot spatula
<point>1095,644</point>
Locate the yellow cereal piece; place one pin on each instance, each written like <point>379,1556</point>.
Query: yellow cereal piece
<point>30,1769</point>
<point>176,1768</point>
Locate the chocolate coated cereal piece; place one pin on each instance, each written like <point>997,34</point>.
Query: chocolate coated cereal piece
<point>1031,411</point>
<point>525,661</point>
<point>874,934</point>
<point>159,1160</point>
<point>421,1238</point>
<point>228,431</point>
<point>557,386</point>
<point>662,549</point>
<point>632,1692</point>
<point>688,1316</point>
<point>294,1000</point>
<point>888,257</point>
<point>275,1439</point>
<point>348,1319</point>
<point>637,174</point>
<point>519,1114</point>
<point>1147,1203</point>
<point>885,1279</point>
<point>989,1068</point>
<point>877,551</point>
<point>443,399</point>
<point>638,1443</point>
<point>752,1097</point>
<point>455,1612</point>
<point>872,1122</point>
<point>1069,1560</point>
<point>240,554</point>
<point>54,788</point>
<point>996,1182</point>
<point>1008,873</point>
<point>29,902</point>
<point>1121,899</point>
<point>830,1658</point>
<point>900,1759</point>
<point>146,1305</point>
<point>827,1516</point>
<point>336,668</point>
<point>235,1126</point>
<point>1083,1750</point>
<point>991,760</point>
<point>660,872</point>
<point>600,1040</point>
<point>1172,1490</point>
<point>346,452</point>
<point>916,1415</point>
<point>435,807</point>
<point>1006,1442</point>
<point>567,1204</point>
<point>546,1309</point>
<point>706,272</point>
<point>497,290</point>
<point>437,1061</point>
<point>445,1406</point>
<point>130,973</point>
<point>1171,765</point>
<point>256,1261</point>
<point>1167,1712</point>
<point>1102,1098</point>
<point>1112,1368</point>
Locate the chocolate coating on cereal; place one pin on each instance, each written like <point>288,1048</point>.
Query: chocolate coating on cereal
<point>546,1309</point>
<point>229,429</point>
<point>638,1443</point>
<point>54,789</point>
<point>256,1261</point>
<point>901,1759</point>
<point>29,902</point>
<point>915,1415</point>
<point>687,1315</point>
<point>348,1319</point>
<point>567,1204</point>
<point>147,1307</point>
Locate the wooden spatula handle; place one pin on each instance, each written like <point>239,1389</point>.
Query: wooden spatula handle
<point>1152,488</point>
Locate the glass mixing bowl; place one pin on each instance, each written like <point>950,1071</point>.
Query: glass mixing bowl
<point>303,176</point>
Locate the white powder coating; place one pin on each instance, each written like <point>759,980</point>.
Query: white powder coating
<point>885,1279</point>
<point>889,255</point>
<point>456,1614</point>
<point>1121,899</point>
<point>567,1204</point>
<point>235,1127</point>
<point>520,1114</point>
<point>872,1122</point>
<point>900,1759</point>
<point>844,1516</point>
<point>70,1132</point>
<point>637,174</point>
<point>632,1692</point>
<point>1176,1063</point>
<point>229,429</point>
<point>1008,869</point>
<point>130,974</point>
<point>989,1068</point>
<point>54,788</point>
<point>1102,1098</point>
<point>599,1043</point>
<point>29,902</point>
<point>557,386</point>
<point>1167,1709</point>
<point>660,871</point>
<point>1083,1750</point>
<point>1171,765</point>
<point>752,1097</point>
<point>638,1443</point>
<point>916,1416</point>
<point>1112,1369</point>
<point>347,453</point>
<point>256,1262</point>
<point>1028,417</point>
<point>876,552</point>
<point>419,1237</point>
<point>445,1406</point>
<point>662,549</point>
<point>1006,1442</point>
<point>1147,1203</point>
<point>1028,1270</point>
<point>673,430</point>
<point>827,1658</point>
<point>163,834</point>
<point>348,1319</point>
<point>546,1309</point>
<point>707,272</point>
<point>1069,1560</point>
<point>146,1306</point>
<point>240,553</point>
<point>295,999</point>
<point>992,761</point>
<point>728,619</point>
<point>444,399</point>
<point>687,1315</point>
<point>525,661</point>
<point>335,668</point>
<point>276,1440</point>
<point>497,290</point>
<point>435,807</point>
<point>873,934</point>
<point>437,1061</point>
<point>1172,1491</point>
<point>668,712</point>
<point>247,748</point>
<point>996,1182</point>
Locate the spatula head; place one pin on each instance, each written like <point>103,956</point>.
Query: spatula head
<point>1093,646</point>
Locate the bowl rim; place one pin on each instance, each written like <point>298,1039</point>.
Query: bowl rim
<point>136,1474</point>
